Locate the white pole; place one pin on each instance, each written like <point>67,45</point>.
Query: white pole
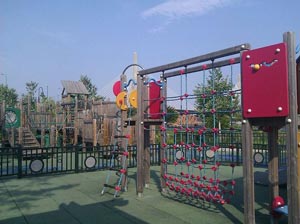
<point>134,69</point>
<point>135,61</point>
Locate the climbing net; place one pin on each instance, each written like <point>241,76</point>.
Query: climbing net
<point>192,152</point>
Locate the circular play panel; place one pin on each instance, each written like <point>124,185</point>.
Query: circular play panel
<point>90,162</point>
<point>258,157</point>
<point>36,165</point>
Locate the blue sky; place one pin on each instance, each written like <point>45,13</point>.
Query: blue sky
<point>47,41</point>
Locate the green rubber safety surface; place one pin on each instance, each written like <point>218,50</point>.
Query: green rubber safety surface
<point>77,199</point>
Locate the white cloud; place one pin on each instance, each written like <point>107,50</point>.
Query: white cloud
<point>175,9</point>
<point>179,8</point>
<point>161,27</point>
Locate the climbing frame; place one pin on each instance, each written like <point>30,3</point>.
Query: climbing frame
<point>187,162</point>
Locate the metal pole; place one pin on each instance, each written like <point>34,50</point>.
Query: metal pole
<point>39,93</point>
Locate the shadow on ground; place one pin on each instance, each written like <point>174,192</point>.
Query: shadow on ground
<point>65,199</point>
<point>74,213</point>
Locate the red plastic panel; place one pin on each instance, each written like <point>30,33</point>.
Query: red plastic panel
<point>154,101</point>
<point>265,82</point>
<point>298,86</point>
<point>117,87</point>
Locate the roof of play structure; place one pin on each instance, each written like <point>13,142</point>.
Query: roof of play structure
<point>74,87</point>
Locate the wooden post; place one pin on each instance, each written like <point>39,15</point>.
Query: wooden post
<point>94,132</point>
<point>140,136</point>
<point>57,123</point>
<point>68,116</point>
<point>22,113</point>
<point>83,138</point>
<point>107,125</point>
<point>273,167</point>
<point>291,127</point>
<point>76,120</point>
<point>146,145</point>
<point>146,163</point>
<point>52,136</point>
<point>152,134</point>
<point>20,134</point>
<point>65,118</point>
<point>298,140</point>
<point>83,130</point>
<point>85,101</point>
<point>28,109</point>
<point>42,136</point>
<point>37,116</point>
<point>248,176</point>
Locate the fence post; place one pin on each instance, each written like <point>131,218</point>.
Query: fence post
<point>76,158</point>
<point>238,158</point>
<point>20,157</point>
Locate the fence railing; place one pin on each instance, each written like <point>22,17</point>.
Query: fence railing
<point>32,161</point>
<point>21,162</point>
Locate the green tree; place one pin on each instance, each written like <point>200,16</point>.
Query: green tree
<point>92,89</point>
<point>217,100</point>
<point>9,95</point>
<point>172,115</point>
<point>31,87</point>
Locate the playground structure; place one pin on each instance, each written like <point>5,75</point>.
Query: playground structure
<point>274,69</point>
<point>76,120</point>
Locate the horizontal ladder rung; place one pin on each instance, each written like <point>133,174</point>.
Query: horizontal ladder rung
<point>120,136</point>
<point>109,186</point>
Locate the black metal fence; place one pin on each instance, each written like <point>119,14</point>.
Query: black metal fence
<point>25,162</point>
<point>21,162</point>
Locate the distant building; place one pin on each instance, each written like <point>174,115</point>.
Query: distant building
<point>189,117</point>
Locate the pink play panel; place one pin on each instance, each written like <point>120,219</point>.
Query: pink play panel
<point>265,82</point>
